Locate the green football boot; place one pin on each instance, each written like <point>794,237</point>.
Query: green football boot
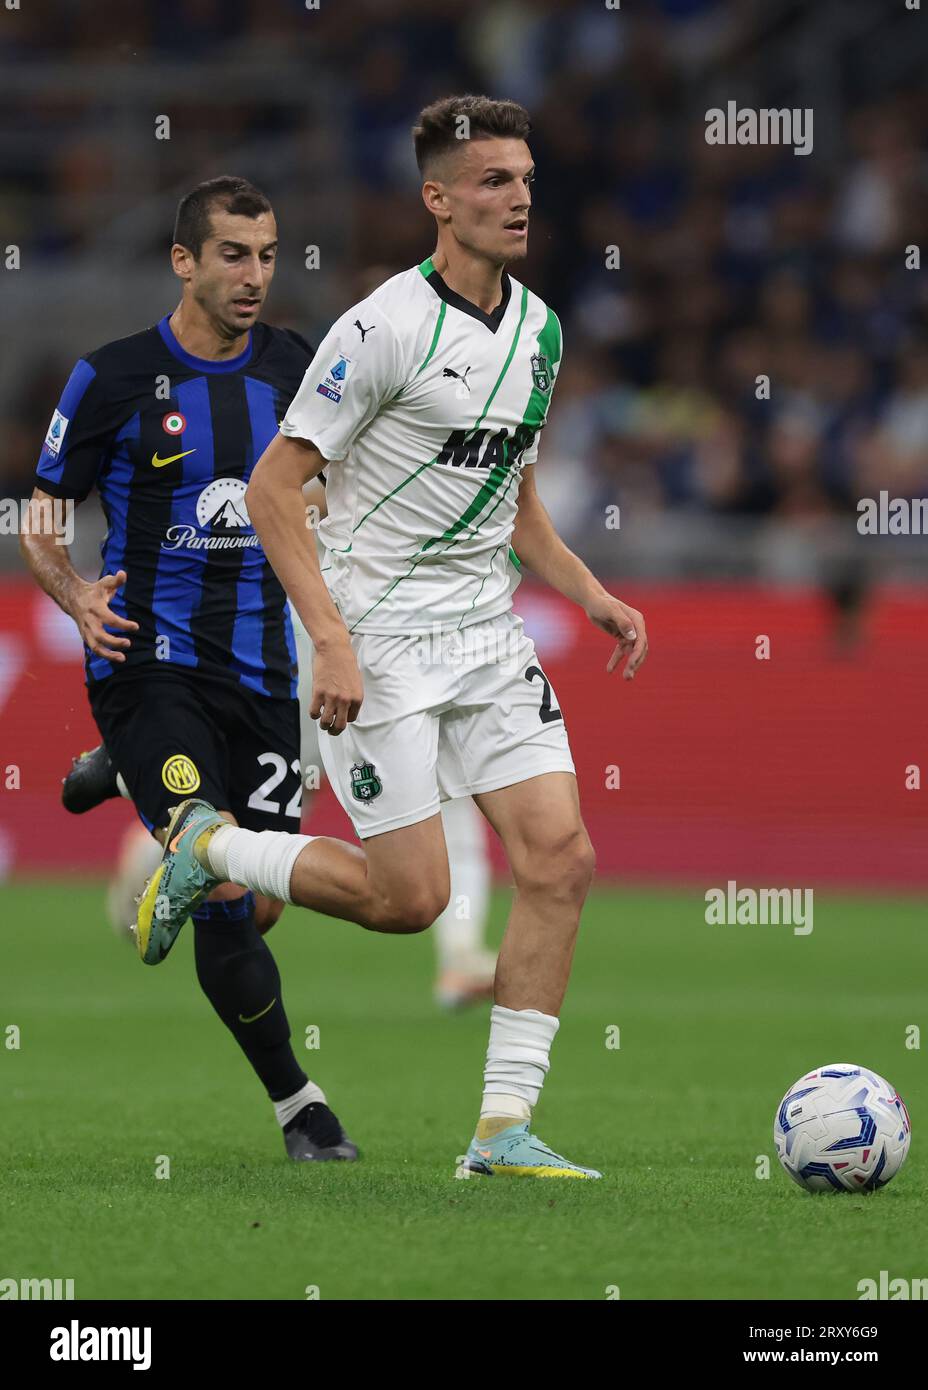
<point>178,885</point>
<point>514,1153</point>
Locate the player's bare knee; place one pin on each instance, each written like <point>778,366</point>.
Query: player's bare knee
<point>579,865</point>
<point>412,912</point>
<point>227,893</point>
<point>562,867</point>
<point>588,856</point>
<point>414,916</point>
<point>267,912</point>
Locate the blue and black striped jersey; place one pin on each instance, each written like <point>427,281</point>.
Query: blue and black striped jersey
<point>170,441</point>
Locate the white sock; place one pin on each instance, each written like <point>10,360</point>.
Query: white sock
<point>517,1060</point>
<point>286,1109</point>
<point>261,860</point>
<point>121,787</point>
<point>459,931</point>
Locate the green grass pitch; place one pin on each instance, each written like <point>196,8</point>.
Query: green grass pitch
<point>119,1064</point>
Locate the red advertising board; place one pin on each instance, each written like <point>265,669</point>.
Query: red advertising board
<point>722,760</point>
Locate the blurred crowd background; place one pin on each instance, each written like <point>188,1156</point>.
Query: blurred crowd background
<point>735,262</point>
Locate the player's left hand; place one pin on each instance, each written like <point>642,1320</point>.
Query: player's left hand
<point>625,623</point>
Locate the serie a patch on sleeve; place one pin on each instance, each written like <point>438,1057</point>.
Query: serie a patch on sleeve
<point>59,423</point>
<point>333,383</point>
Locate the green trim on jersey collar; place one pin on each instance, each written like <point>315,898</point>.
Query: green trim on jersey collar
<point>435,280</point>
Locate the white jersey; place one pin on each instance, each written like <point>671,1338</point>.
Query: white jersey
<point>428,410</point>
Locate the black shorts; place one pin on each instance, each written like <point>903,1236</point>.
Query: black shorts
<point>172,735</point>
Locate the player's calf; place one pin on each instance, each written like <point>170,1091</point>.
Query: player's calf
<point>399,888</point>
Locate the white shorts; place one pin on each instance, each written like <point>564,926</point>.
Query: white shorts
<point>443,716</point>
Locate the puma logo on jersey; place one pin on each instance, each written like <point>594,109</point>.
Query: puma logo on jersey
<point>462,378</point>
<point>363,331</point>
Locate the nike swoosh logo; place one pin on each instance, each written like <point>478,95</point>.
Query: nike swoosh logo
<point>177,838</point>
<point>484,1153</point>
<point>157,462</point>
<point>243,1019</point>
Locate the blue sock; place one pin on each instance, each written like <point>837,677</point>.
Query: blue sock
<point>239,977</point>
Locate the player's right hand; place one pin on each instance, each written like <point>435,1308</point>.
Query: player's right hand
<point>93,615</point>
<point>337,687</point>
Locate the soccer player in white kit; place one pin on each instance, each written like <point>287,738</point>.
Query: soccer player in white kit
<point>424,405</point>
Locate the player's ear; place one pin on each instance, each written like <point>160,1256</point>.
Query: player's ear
<point>434,198</point>
<point>181,261</point>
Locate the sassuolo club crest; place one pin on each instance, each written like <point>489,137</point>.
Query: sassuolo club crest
<point>541,372</point>
<point>365,784</point>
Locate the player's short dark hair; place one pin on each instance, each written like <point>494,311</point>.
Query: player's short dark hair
<point>192,223</point>
<point>438,130</point>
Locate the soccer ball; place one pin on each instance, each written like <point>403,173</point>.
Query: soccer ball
<point>842,1128</point>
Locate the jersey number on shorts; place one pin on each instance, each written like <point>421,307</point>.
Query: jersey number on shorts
<point>258,799</point>
<point>546,713</point>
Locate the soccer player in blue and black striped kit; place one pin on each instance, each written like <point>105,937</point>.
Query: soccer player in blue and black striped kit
<point>190,660</point>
